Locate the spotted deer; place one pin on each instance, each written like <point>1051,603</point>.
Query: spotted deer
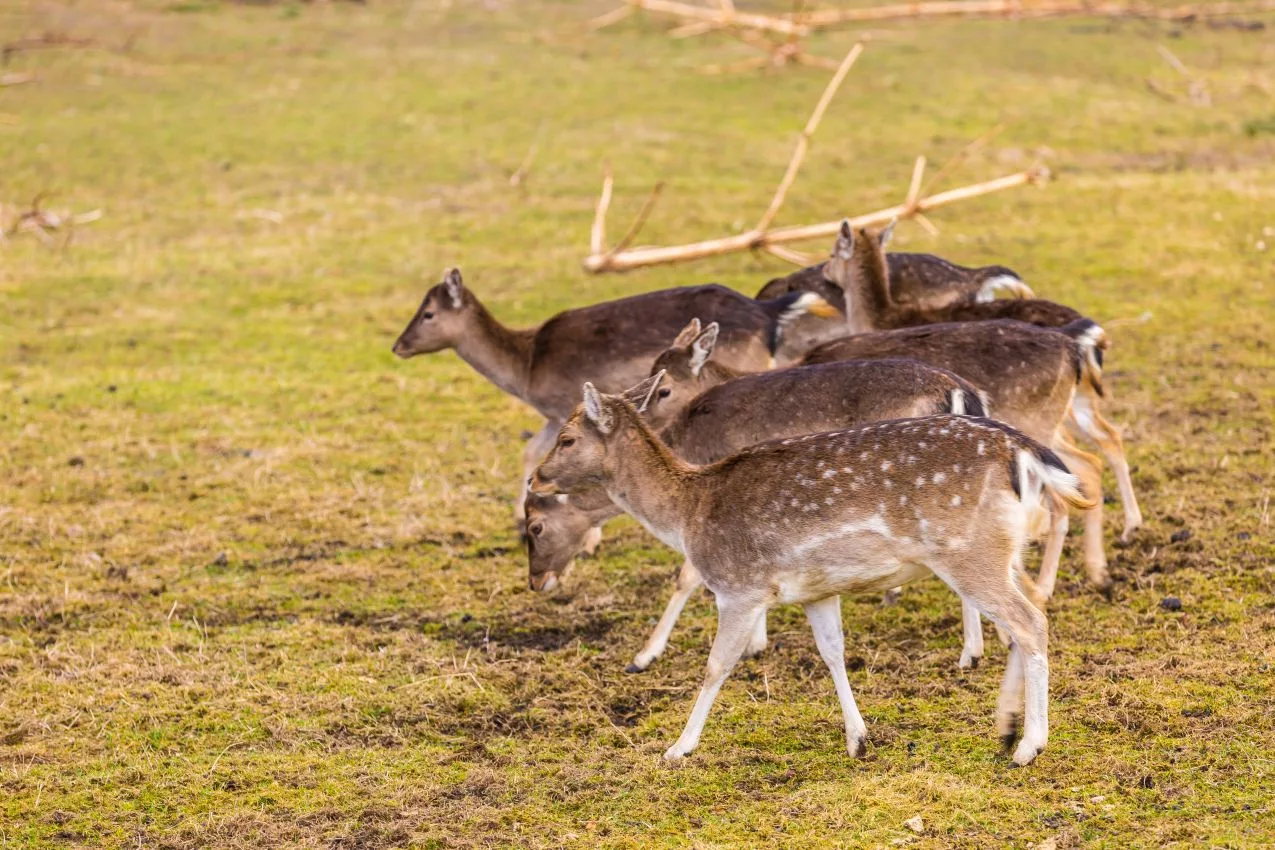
<point>1031,375</point>
<point>859,265</point>
<point>705,427</point>
<point>803,520</point>
<point>611,344</point>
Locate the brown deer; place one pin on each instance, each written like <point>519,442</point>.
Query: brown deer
<point>611,343</point>
<point>705,427</point>
<point>923,281</point>
<point>806,519</point>
<point>859,266</point>
<point>918,280</point>
<point>1031,376</point>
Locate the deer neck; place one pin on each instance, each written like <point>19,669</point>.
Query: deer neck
<point>500,354</point>
<point>868,294</point>
<point>648,481</point>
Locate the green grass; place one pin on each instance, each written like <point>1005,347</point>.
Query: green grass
<point>258,581</point>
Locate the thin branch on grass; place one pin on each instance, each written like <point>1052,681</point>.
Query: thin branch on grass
<point>43,42</point>
<point>1021,9</point>
<point>524,167</point>
<point>1197,91</point>
<point>16,79</point>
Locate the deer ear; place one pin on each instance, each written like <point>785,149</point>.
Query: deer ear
<point>702,348</point>
<point>887,232</point>
<point>454,286</point>
<point>687,335</point>
<point>642,394</point>
<point>845,241</point>
<point>595,408</point>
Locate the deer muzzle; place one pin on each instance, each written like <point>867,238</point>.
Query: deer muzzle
<point>544,582</point>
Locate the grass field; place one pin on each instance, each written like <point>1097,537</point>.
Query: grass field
<point>259,583</point>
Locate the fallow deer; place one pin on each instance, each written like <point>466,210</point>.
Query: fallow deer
<point>1031,376</point>
<point>806,519</point>
<point>704,427</point>
<point>611,343</point>
<point>923,281</point>
<point>918,280</point>
<point>859,265</point>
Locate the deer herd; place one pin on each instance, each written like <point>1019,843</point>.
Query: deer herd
<point>861,423</point>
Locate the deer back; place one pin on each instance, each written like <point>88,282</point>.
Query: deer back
<point>1029,373</point>
<point>612,344</point>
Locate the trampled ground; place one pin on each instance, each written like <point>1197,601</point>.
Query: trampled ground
<point>259,579</point>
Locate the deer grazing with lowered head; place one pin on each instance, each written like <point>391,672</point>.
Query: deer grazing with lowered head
<point>923,281</point>
<point>611,344</point>
<point>705,427</point>
<point>803,520</point>
<point>859,266</point>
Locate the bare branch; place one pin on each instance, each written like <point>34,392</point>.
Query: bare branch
<point>611,17</point>
<point>639,221</point>
<point>639,257</point>
<point>804,141</point>
<point>598,238</point>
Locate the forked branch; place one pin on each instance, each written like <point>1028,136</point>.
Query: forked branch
<point>762,236</point>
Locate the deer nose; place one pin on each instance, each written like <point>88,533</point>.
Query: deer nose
<point>544,582</point>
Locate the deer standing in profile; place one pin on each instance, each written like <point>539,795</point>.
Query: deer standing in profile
<point>1031,375</point>
<point>859,266</point>
<point>703,427</point>
<point>806,519</point>
<point>611,344</point>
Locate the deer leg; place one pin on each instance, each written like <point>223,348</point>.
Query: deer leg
<point>688,581</point>
<point>1048,575</point>
<point>532,453</point>
<point>757,641</point>
<point>1088,469</point>
<point>735,622</point>
<point>592,538</point>
<point>972,651</point>
<point>1087,418</point>
<point>996,593</point>
<point>1026,682</point>
<point>825,622</point>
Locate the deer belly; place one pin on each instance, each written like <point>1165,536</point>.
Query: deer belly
<point>864,561</point>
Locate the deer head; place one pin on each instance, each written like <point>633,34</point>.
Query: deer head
<point>685,374</point>
<point>579,459</point>
<point>440,320</point>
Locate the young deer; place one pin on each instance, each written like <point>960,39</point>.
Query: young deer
<point>611,344</point>
<point>806,519</point>
<point>1032,376</point>
<point>859,266</point>
<point>705,427</point>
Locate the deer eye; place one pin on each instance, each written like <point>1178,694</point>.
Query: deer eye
<point>536,529</point>
<point>567,442</point>
<point>664,392</point>
<point>427,315</point>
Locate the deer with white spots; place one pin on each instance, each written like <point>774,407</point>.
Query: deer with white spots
<point>705,427</point>
<point>611,344</point>
<point>859,265</point>
<point>805,519</point>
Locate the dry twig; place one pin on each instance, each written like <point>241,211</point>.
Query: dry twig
<point>42,223</point>
<point>16,79</point>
